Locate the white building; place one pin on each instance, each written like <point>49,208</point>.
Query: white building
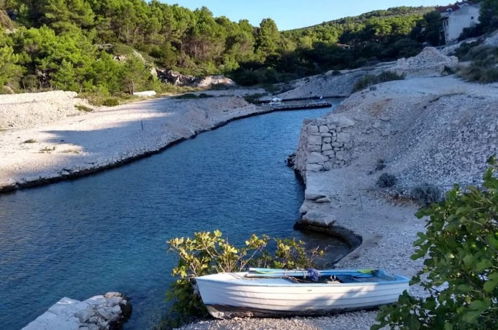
<point>458,17</point>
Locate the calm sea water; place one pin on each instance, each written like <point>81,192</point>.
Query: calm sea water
<point>107,232</point>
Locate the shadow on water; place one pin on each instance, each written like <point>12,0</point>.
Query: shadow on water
<point>107,232</point>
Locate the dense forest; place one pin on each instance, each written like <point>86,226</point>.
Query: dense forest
<point>110,46</point>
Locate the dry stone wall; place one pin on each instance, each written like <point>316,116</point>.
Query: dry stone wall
<point>325,143</point>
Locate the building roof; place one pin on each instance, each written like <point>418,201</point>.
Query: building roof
<point>455,6</point>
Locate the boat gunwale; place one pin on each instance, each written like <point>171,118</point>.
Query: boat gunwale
<point>399,279</point>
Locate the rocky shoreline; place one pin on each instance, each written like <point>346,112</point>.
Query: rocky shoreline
<point>425,129</point>
<point>110,137</point>
<point>108,311</point>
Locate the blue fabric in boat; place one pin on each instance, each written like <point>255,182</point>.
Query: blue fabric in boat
<point>313,275</point>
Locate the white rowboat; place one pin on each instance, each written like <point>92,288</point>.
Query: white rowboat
<point>275,292</point>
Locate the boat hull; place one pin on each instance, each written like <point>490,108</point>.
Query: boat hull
<point>229,295</point>
<point>230,312</point>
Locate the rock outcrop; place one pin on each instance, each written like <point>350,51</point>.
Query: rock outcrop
<point>211,81</point>
<point>175,78</point>
<point>429,62</point>
<point>102,312</point>
<point>178,79</point>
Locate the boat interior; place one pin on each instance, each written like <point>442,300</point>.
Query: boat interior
<point>374,276</point>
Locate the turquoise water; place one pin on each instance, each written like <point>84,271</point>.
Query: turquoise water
<point>107,232</point>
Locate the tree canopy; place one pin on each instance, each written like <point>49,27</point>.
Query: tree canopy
<point>73,44</point>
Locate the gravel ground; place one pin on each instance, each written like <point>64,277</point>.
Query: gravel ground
<point>35,109</point>
<point>350,321</point>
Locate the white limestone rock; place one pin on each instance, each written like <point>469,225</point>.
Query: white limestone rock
<point>326,147</point>
<point>340,121</point>
<point>97,312</point>
<point>314,167</point>
<point>313,196</point>
<point>211,81</point>
<point>62,316</point>
<point>145,94</point>
<point>343,137</point>
<point>323,200</point>
<point>315,139</point>
<point>429,62</point>
<point>317,158</point>
<point>313,129</point>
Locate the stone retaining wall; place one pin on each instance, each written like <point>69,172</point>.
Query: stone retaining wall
<point>325,143</point>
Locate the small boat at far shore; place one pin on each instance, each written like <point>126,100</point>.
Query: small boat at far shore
<point>275,292</point>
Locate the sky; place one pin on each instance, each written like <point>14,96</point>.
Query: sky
<point>291,14</point>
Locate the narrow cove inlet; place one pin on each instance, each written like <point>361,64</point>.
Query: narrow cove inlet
<point>107,232</point>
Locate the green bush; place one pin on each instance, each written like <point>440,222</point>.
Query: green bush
<point>426,194</point>
<point>489,15</point>
<point>83,108</point>
<point>463,51</point>
<point>460,273</point>
<point>370,80</point>
<point>209,253</point>
<point>254,98</point>
<point>110,102</point>
<point>482,71</point>
<point>484,62</point>
<point>386,180</point>
<point>193,96</point>
<point>91,46</point>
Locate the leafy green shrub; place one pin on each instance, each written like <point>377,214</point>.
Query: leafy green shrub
<point>110,102</point>
<point>193,96</point>
<point>47,150</point>
<point>448,71</point>
<point>381,164</point>
<point>477,52</point>
<point>254,98</point>
<point>386,180</point>
<point>83,108</point>
<point>220,87</point>
<point>426,194</point>
<point>484,66</point>
<point>460,270</point>
<point>489,15</point>
<point>464,49</point>
<point>370,80</point>
<point>471,32</point>
<point>481,71</point>
<point>208,253</point>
